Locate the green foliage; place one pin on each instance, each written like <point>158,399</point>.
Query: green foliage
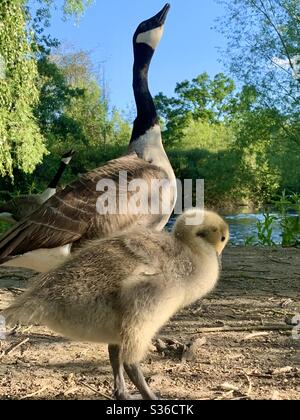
<point>204,99</point>
<point>55,93</point>
<point>69,7</point>
<point>84,120</point>
<point>22,145</point>
<point>290,226</point>
<point>199,136</point>
<point>263,50</point>
<point>287,201</point>
<point>76,7</point>
<point>244,142</point>
<point>72,113</point>
<point>206,152</point>
<point>4,226</point>
<point>225,136</point>
<point>288,223</point>
<point>250,241</point>
<point>23,116</point>
<point>243,150</point>
<point>265,230</point>
<point>256,135</point>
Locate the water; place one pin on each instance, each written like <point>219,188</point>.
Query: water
<point>244,225</point>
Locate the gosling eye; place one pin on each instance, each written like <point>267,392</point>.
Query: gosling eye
<point>223,239</point>
<point>201,234</point>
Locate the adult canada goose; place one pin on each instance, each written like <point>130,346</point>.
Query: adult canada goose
<point>19,207</point>
<point>70,217</point>
<point>123,289</point>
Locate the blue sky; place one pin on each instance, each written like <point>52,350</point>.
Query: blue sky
<point>189,45</point>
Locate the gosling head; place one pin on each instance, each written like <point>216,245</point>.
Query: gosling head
<point>198,227</point>
<point>150,31</point>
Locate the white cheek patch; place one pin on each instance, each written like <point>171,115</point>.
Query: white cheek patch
<point>66,161</point>
<point>151,37</point>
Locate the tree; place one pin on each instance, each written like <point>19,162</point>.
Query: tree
<point>21,145</point>
<point>55,93</point>
<point>263,49</point>
<point>242,148</point>
<point>202,99</point>
<point>22,43</point>
<point>85,116</point>
<point>72,112</point>
<point>69,7</point>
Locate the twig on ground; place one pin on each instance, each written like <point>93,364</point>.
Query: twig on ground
<point>95,390</point>
<point>249,391</point>
<point>33,394</point>
<point>13,348</point>
<point>256,335</point>
<point>242,328</point>
<point>19,329</point>
<point>71,391</point>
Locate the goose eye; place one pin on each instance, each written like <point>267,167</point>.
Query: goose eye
<point>223,239</point>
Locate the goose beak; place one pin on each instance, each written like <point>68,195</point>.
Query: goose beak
<point>71,153</point>
<point>162,15</point>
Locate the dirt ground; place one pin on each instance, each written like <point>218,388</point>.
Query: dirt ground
<point>235,344</point>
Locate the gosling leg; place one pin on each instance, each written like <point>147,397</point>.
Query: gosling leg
<point>118,371</point>
<point>136,376</point>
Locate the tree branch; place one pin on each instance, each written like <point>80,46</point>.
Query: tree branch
<point>264,11</point>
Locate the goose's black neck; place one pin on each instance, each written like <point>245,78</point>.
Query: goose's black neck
<point>58,175</point>
<point>146,111</point>
<point>145,40</point>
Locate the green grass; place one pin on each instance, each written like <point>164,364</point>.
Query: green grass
<point>4,226</point>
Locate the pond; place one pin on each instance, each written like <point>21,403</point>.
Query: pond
<point>244,225</point>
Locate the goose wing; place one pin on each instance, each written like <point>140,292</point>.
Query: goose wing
<point>70,216</point>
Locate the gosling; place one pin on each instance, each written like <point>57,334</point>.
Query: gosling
<point>123,289</point>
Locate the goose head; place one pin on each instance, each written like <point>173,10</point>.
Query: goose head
<point>67,157</point>
<point>151,30</point>
<point>64,162</point>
